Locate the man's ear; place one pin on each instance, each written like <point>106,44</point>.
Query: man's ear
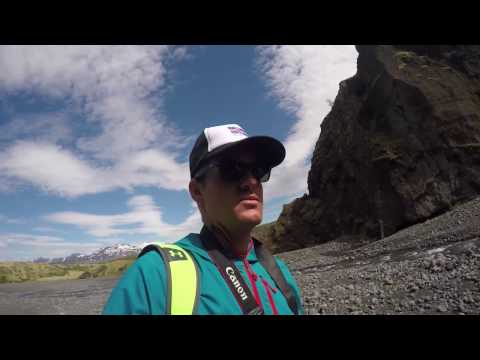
<point>195,192</point>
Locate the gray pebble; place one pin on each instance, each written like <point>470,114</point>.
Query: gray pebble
<point>442,308</point>
<point>413,289</point>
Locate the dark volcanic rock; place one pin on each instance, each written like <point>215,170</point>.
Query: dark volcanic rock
<point>401,145</point>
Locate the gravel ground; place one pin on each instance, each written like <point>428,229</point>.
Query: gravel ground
<point>61,297</point>
<point>428,268</point>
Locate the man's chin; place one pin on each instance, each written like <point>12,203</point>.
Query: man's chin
<point>250,218</point>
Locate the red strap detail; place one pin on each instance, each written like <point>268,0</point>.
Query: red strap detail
<point>254,285</point>
<point>270,297</point>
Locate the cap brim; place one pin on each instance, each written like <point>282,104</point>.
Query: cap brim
<point>267,149</point>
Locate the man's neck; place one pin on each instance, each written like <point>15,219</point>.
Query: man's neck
<point>238,241</point>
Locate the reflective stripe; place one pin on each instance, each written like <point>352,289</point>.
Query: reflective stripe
<point>183,279</point>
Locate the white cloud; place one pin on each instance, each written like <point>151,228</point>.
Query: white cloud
<point>152,167</point>
<point>302,79</point>
<point>51,168</point>
<point>18,246</point>
<point>28,239</point>
<point>21,246</point>
<point>57,170</point>
<point>143,218</point>
<point>48,127</point>
<point>116,88</point>
<point>46,229</point>
<point>6,220</point>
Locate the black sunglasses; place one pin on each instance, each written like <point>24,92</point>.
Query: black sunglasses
<point>233,170</point>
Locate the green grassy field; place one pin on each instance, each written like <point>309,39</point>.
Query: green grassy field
<point>11,272</point>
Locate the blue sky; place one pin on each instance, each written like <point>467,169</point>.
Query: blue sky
<point>94,140</point>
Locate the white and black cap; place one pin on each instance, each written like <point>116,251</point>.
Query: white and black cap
<point>219,140</point>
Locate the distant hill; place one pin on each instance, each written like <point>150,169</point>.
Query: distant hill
<point>108,253</point>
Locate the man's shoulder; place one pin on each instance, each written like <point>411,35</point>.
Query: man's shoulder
<point>192,240</point>
<point>193,244</point>
<point>152,259</point>
<point>147,260</point>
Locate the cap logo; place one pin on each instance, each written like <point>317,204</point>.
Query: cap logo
<point>220,135</point>
<point>236,130</point>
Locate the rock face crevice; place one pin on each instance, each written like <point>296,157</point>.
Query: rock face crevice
<point>400,145</point>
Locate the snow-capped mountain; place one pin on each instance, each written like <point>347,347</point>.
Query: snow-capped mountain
<point>107,253</point>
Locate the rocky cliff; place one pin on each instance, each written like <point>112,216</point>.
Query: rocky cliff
<point>400,145</point>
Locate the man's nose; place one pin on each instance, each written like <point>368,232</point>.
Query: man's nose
<point>249,180</point>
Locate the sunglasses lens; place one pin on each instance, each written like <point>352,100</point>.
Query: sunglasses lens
<point>232,171</point>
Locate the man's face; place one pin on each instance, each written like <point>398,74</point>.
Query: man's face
<point>235,205</point>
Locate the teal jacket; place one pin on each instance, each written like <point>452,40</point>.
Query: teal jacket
<point>142,288</point>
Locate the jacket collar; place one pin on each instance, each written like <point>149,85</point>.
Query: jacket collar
<point>193,242</point>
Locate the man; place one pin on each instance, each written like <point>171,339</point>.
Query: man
<point>236,273</point>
